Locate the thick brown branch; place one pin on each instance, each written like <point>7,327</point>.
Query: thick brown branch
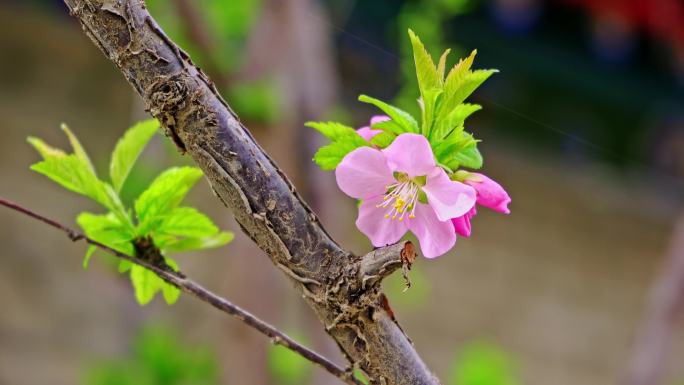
<point>246,180</point>
<point>187,285</point>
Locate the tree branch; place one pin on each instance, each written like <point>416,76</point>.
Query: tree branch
<point>382,262</point>
<point>180,281</point>
<point>246,180</point>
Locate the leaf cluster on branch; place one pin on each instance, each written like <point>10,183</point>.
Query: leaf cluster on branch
<point>157,223</point>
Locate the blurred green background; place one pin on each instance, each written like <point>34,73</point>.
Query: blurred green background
<point>584,126</point>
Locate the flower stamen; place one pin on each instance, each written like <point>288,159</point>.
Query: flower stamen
<point>401,199</point>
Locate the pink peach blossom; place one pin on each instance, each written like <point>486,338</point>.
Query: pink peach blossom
<point>402,189</point>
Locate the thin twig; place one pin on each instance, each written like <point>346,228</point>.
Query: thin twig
<point>189,286</point>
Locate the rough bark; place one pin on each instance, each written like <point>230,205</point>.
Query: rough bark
<point>248,182</point>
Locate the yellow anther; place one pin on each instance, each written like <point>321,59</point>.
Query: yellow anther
<point>400,199</point>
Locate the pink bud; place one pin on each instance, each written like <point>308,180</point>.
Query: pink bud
<point>489,193</point>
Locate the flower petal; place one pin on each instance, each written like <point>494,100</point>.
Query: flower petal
<point>449,199</point>
<point>379,118</point>
<point>367,133</point>
<point>363,173</point>
<point>435,237</point>
<point>489,193</point>
<point>462,224</point>
<point>372,222</point>
<point>411,154</point>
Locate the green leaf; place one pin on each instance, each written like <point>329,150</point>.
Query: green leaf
<point>127,150</point>
<point>452,121</point>
<point>383,139</point>
<point>124,266</point>
<point>431,103</point>
<point>402,118</point>
<point>71,173</point>
<point>170,292</point>
<point>459,114</point>
<point>470,158</point>
<point>463,66</point>
<point>458,148</point>
<point>441,67</point>
<point>75,173</point>
<point>344,140</point>
<point>45,150</point>
<point>89,253</point>
<point>145,283</point>
<point>188,244</point>
<point>333,130</point>
<point>390,127</point>
<point>461,82</point>
<point>65,170</point>
<point>328,157</point>
<point>464,153</point>
<point>427,73</point>
<point>470,84</point>
<point>163,195</point>
<point>106,229</point>
<point>187,222</point>
<point>444,150</point>
<point>78,149</point>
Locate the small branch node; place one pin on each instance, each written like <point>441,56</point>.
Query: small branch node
<point>74,236</point>
<point>380,263</point>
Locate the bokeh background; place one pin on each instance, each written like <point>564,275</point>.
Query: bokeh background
<point>582,284</point>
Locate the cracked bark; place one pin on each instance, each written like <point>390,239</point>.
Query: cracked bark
<point>264,202</point>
